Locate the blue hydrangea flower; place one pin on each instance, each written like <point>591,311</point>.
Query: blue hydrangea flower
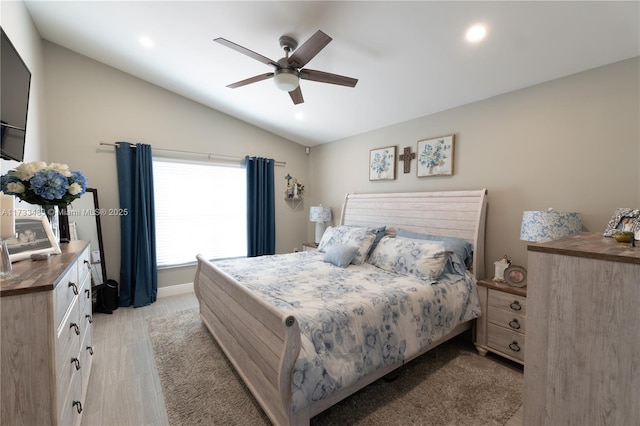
<point>80,179</point>
<point>49,184</point>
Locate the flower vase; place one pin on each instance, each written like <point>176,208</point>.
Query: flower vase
<point>52,214</point>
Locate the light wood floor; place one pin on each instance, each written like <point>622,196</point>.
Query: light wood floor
<point>124,388</point>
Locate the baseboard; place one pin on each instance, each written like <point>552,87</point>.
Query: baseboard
<point>174,290</point>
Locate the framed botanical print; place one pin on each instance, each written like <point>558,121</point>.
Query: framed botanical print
<point>435,156</point>
<point>382,163</point>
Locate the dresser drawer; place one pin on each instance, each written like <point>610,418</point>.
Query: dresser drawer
<point>71,403</point>
<point>506,341</point>
<point>507,319</point>
<point>67,372</point>
<point>85,296</point>
<point>84,266</point>
<point>508,302</point>
<point>67,338</point>
<point>68,287</point>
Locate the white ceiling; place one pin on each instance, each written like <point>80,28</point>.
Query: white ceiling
<point>411,58</point>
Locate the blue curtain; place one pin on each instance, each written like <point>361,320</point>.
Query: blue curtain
<point>138,268</point>
<point>261,209</point>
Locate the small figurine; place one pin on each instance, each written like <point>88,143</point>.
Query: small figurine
<point>500,266</point>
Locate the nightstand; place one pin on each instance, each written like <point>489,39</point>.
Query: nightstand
<point>309,246</point>
<point>501,328</point>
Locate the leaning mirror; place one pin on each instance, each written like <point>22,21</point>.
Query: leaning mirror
<point>84,224</point>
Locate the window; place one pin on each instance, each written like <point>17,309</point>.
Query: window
<point>200,209</point>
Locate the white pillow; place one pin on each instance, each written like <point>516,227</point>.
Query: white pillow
<point>406,256</point>
<point>352,236</point>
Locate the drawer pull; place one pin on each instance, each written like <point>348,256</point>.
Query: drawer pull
<point>86,262</point>
<point>515,305</point>
<point>89,318</point>
<point>514,324</point>
<point>78,406</point>
<point>75,327</point>
<point>90,349</point>
<point>75,288</point>
<point>76,363</point>
<point>514,346</point>
<point>88,293</point>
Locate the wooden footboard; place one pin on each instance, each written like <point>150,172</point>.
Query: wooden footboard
<point>261,342</point>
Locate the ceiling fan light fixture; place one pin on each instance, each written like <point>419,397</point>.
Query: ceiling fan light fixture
<point>286,80</point>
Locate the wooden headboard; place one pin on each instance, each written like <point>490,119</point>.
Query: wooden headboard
<point>460,214</point>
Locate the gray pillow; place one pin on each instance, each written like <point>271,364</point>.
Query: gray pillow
<point>340,255</point>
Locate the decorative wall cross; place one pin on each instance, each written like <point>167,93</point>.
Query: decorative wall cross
<point>407,156</point>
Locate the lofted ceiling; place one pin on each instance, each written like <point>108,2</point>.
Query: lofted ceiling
<point>411,58</point>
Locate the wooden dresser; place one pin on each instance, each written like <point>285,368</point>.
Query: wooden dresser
<point>46,345</point>
<point>583,332</point>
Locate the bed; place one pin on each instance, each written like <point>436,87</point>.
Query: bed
<point>280,329</point>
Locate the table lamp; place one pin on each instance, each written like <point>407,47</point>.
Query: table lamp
<point>541,226</point>
<point>320,215</point>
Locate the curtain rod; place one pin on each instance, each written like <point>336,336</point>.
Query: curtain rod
<point>209,155</point>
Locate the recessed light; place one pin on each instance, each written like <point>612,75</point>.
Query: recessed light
<point>476,33</point>
<point>145,41</point>
<point>299,116</point>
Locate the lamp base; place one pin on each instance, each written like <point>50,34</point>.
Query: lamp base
<point>320,227</point>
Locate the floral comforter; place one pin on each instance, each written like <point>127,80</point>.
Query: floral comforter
<point>353,320</point>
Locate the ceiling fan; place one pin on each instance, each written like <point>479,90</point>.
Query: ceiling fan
<point>289,70</point>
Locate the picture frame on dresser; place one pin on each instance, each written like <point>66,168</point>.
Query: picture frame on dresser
<point>623,219</point>
<point>33,236</point>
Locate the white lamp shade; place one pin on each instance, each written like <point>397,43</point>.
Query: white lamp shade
<point>286,81</point>
<point>540,226</point>
<point>320,214</point>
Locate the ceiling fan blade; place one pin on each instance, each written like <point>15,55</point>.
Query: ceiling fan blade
<point>309,49</point>
<point>245,51</point>
<point>325,77</point>
<point>250,80</point>
<point>296,96</point>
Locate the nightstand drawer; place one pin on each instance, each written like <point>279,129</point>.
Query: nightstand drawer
<point>508,302</point>
<point>506,341</point>
<point>507,319</point>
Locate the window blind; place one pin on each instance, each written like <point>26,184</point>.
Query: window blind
<point>200,209</point>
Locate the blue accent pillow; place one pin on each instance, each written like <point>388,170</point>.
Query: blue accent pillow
<point>461,251</point>
<point>340,255</point>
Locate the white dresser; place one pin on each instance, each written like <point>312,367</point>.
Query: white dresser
<point>46,345</point>
<point>583,339</point>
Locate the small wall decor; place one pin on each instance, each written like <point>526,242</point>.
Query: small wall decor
<point>624,219</point>
<point>382,163</point>
<point>435,156</point>
<point>406,158</point>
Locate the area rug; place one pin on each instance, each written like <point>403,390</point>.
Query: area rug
<point>450,385</point>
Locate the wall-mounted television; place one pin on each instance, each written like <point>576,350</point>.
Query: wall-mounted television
<point>15,82</point>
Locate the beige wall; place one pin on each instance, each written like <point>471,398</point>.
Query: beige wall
<point>89,102</point>
<point>572,144</point>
